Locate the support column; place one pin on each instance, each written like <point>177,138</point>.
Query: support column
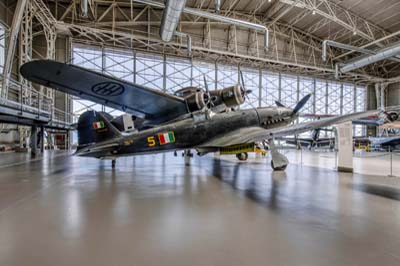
<point>68,138</point>
<point>33,141</point>
<point>41,139</point>
<point>345,147</point>
<point>378,96</point>
<point>383,96</point>
<point>187,155</point>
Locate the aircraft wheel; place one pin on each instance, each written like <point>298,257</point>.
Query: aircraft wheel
<point>113,163</point>
<point>242,156</point>
<point>282,168</point>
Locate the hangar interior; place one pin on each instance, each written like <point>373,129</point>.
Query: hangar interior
<point>56,208</point>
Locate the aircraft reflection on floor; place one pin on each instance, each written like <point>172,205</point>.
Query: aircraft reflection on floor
<point>255,184</point>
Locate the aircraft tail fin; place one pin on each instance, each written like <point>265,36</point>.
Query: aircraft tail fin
<point>95,127</point>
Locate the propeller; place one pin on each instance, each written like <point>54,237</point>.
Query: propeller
<point>243,90</point>
<point>209,102</point>
<point>301,104</point>
<point>392,116</point>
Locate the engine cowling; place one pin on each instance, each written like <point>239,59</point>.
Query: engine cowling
<point>232,96</point>
<point>392,116</point>
<point>196,101</point>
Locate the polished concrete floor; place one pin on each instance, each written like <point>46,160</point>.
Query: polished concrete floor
<point>152,210</point>
<point>370,163</point>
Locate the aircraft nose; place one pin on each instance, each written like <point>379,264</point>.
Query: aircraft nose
<point>285,111</point>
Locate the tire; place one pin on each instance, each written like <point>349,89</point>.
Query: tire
<point>242,156</point>
<point>282,168</point>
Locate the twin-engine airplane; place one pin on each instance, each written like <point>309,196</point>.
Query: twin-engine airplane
<point>192,119</point>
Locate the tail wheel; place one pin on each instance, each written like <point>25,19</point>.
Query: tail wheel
<point>281,168</point>
<point>242,156</point>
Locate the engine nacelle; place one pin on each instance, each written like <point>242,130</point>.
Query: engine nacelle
<point>232,96</point>
<point>392,116</point>
<point>196,101</point>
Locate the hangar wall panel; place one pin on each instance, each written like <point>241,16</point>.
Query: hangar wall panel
<point>170,74</point>
<point>393,94</point>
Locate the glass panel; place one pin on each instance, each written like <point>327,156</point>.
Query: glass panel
<point>334,92</point>
<point>80,106</point>
<point>149,70</point>
<point>320,97</point>
<point>361,106</point>
<point>251,79</point>
<point>178,74</point>
<point>359,131</point>
<point>227,76</point>
<point>87,57</point>
<point>348,98</point>
<point>289,95</point>
<point>270,88</point>
<point>181,72</point>
<point>201,69</point>
<point>306,86</point>
<point>119,64</point>
<point>361,99</point>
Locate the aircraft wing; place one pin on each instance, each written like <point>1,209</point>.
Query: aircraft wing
<point>135,99</point>
<point>391,125</point>
<point>252,134</point>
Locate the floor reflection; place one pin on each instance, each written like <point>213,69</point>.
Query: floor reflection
<point>256,184</point>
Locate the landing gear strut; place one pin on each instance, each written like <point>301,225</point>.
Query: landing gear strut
<point>113,163</point>
<point>279,162</point>
<point>187,154</point>
<point>242,156</point>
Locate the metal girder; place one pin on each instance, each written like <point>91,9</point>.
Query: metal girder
<point>25,51</point>
<point>341,16</point>
<point>48,22</point>
<point>17,20</point>
<point>300,37</point>
<point>292,48</point>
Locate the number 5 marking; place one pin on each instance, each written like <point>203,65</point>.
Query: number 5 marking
<point>151,141</point>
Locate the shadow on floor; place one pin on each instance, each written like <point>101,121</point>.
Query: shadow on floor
<point>378,190</point>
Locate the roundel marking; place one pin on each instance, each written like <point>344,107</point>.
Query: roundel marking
<point>108,89</point>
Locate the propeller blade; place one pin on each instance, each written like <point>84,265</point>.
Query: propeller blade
<point>209,102</point>
<point>243,87</point>
<point>301,104</point>
<point>242,79</point>
<point>279,104</point>
<point>205,83</point>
